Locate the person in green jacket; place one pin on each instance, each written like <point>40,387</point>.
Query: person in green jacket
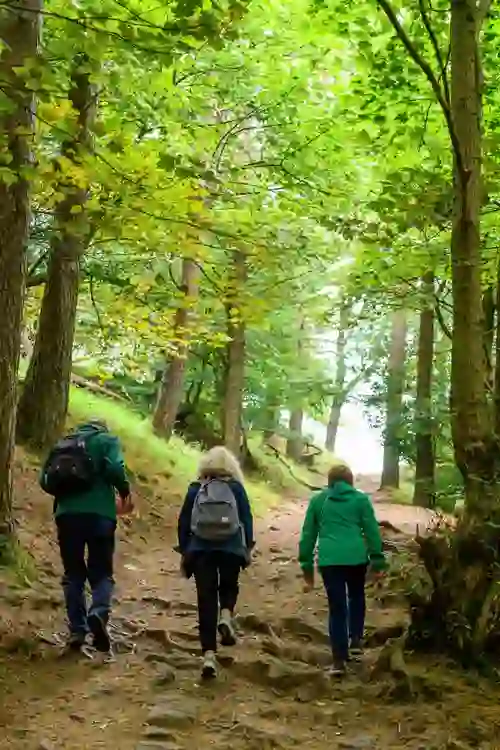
<point>85,512</point>
<point>341,521</point>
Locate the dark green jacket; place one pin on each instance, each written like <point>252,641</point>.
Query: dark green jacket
<point>341,521</point>
<point>107,455</point>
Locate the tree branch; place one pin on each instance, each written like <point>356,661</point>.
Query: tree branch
<point>428,72</point>
<point>440,61</point>
<point>442,323</point>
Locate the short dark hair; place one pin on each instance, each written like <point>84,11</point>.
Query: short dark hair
<point>340,473</point>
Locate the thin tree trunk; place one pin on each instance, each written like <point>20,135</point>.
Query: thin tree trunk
<point>497,356</point>
<point>295,442</point>
<point>473,441</point>
<point>270,421</point>
<point>425,490</point>
<point>395,388</point>
<point>44,400</point>
<point>20,34</point>
<point>235,363</point>
<point>172,383</point>
<point>489,331</point>
<point>340,376</point>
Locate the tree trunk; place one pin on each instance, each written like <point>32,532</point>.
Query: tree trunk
<point>461,614</point>
<point>475,450</point>
<point>497,356</point>
<point>270,421</point>
<point>20,33</point>
<point>424,493</point>
<point>395,388</point>
<point>340,375</point>
<point>235,362</point>
<point>172,383</point>
<point>489,332</point>
<point>295,442</point>
<point>44,400</point>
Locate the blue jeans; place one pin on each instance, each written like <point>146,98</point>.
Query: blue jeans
<point>87,545</point>
<point>345,589</point>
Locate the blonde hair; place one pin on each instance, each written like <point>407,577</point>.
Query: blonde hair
<point>219,462</point>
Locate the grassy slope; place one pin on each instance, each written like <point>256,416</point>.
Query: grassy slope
<point>166,468</point>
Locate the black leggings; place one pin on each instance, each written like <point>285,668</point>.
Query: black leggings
<point>216,575</point>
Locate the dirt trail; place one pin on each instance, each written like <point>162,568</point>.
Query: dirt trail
<point>272,691</point>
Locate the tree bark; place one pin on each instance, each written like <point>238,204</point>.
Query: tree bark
<point>172,383</point>
<point>497,356</point>
<point>270,421</point>
<point>425,490</point>
<point>234,382</point>
<point>295,442</point>
<point>395,388</point>
<point>473,437</point>
<point>20,34</point>
<point>489,331</point>
<point>44,400</point>
<point>340,376</point>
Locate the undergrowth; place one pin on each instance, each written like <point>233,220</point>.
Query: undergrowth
<point>168,467</point>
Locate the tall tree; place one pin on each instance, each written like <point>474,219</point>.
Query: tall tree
<point>44,400</point>
<point>340,377</point>
<point>458,614</point>
<point>172,383</point>
<point>295,441</point>
<point>394,403</point>
<point>234,381</point>
<point>19,34</point>
<point>424,492</point>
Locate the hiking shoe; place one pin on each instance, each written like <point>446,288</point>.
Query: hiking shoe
<point>226,629</point>
<point>100,636</point>
<point>338,669</point>
<point>209,668</point>
<point>75,641</point>
<point>356,649</point>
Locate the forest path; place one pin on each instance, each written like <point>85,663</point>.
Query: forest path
<point>272,691</point>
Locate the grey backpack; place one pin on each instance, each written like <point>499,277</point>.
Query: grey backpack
<point>215,516</point>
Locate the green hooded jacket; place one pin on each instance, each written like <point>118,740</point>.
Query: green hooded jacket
<point>105,450</point>
<point>341,521</point>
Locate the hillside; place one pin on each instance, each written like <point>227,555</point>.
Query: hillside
<point>272,692</point>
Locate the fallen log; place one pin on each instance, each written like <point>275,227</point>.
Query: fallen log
<point>89,385</point>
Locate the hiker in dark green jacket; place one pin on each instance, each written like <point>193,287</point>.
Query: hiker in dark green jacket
<point>341,521</point>
<point>82,472</point>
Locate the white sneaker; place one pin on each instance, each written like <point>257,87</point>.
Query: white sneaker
<point>226,628</point>
<point>209,668</point>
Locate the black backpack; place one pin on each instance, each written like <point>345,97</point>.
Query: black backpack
<point>69,468</point>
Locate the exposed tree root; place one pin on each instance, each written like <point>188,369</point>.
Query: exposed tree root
<point>460,612</point>
<point>391,665</point>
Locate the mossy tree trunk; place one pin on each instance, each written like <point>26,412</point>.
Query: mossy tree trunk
<point>172,382</point>
<point>43,405</point>
<point>394,403</point>
<point>20,34</point>
<point>234,381</point>
<point>425,491</point>
<point>339,396</point>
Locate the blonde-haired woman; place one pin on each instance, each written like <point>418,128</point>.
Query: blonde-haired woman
<point>215,531</point>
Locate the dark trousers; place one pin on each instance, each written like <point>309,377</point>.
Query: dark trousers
<point>345,589</point>
<point>87,545</point>
<point>216,575</point>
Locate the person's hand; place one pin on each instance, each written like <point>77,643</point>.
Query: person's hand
<point>308,580</point>
<point>378,575</point>
<point>125,506</point>
<point>182,567</point>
